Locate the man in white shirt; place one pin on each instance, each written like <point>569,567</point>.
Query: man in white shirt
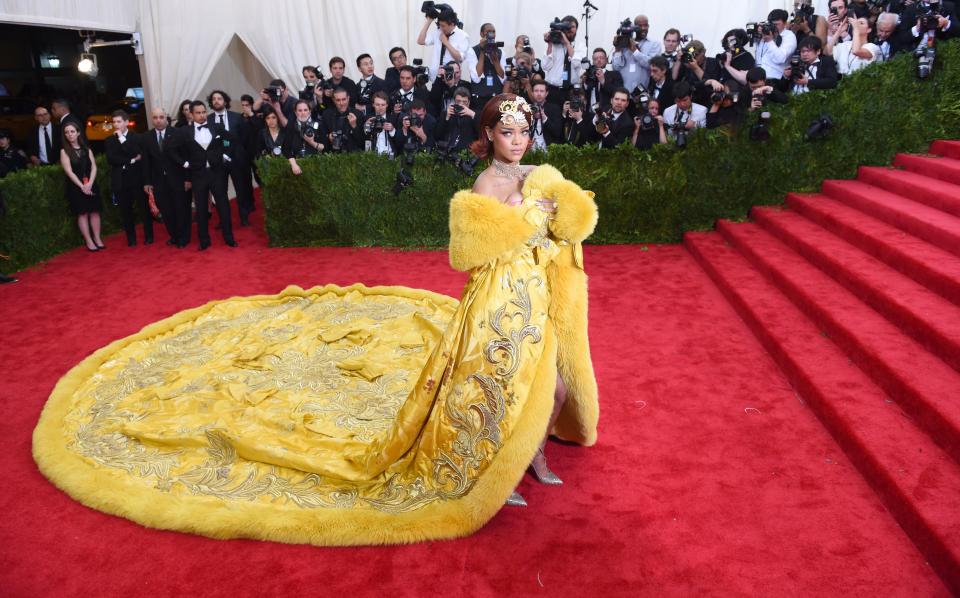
<point>633,61</point>
<point>449,41</point>
<point>684,114</point>
<point>380,141</point>
<point>561,65</point>
<point>776,46</point>
<point>44,147</point>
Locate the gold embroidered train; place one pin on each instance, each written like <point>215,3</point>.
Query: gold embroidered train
<point>339,416</point>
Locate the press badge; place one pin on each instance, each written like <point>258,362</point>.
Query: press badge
<point>633,67</point>
<point>566,75</point>
<point>276,151</point>
<point>489,81</point>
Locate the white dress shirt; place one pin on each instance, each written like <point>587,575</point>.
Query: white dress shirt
<point>42,152</point>
<point>697,114</point>
<point>221,118</point>
<point>554,72</point>
<point>458,39</point>
<point>848,62</point>
<point>774,58</point>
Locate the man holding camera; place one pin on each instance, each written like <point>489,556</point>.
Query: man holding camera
<point>342,124</point>
<point>277,96</point>
<point>815,71</point>
<point>930,18</point>
<point>338,80</point>
<point>777,44</point>
<point>576,129</point>
<point>487,66</point>
<point>724,109</point>
<point>806,22</point>
<point>837,23</point>
<point>614,126</point>
<point>684,116</point>
<point>407,91</point>
<point>547,126</point>
<point>368,84</point>
<point>448,41</point>
<point>239,167</point>
<point>561,65</point>
<point>458,127</point>
<point>379,129</point>
<point>762,92</point>
<point>441,94</point>
<point>417,127</point>
<point>598,83</point>
<point>889,37</point>
<point>633,51</point>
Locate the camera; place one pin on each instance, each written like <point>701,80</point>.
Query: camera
<point>798,70</point>
<point>604,119</point>
<point>336,142</point>
<point>756,31</point>
<point>410,152</point>
<point>557,29</point>
<point>525,43</point>
<point>491,43</point>
<point>433,10</point>
<point>517,71</point>
<point>819,128</point>
<point>397,101</point>
<point>447,73</point>
<point>718,96</point>
<point>415,120</point>
<point>760,131</point>
<point>365,94</point>
<point>688,54</point>
<point>625,32</point>
<point>374,125</point>
<point>803,12</point>
<point>422,73</point>
<point>641,98</point>
<point>275,92</point>
<point>457,109</point>
<point>309,128</point>
<point>926,54</point>
<point>404,179</point>
<point>929,15</point>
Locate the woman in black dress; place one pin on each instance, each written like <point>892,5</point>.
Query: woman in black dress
<point>274,140</point>
<point>80,168</point>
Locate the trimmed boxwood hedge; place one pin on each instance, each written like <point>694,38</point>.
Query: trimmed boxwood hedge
<point>644,197</point>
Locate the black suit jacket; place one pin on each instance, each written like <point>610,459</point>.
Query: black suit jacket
<point>553,128</point>
<point>158,165</point>
<point>621,130</point>
<point>392,79</point>
<point>666,92</point>
<point>334,121</point>
<point>186,149</point>
<point>612,80</point>
<point>366,89</point>
<point>33,144</point>
<point>239,129</point>
<point>459,131</point>
<point>124,173</point>
<point>429,126</point>
<point>909,20</point>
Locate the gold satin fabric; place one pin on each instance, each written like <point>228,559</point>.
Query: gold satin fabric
<point>341,398</point>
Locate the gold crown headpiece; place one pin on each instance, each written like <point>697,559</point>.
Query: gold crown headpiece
<point>512,111</point>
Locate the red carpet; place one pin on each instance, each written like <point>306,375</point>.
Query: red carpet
<point>855,293</point>
<point>711,475</point>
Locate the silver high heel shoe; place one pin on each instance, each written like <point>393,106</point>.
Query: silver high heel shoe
<point>542,472</point>
<point>515,500</point>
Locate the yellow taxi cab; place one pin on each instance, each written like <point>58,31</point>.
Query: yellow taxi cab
<point>100,125</point>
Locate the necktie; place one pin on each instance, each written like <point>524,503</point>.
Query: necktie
<point>160,140</point>
<point>219,119</point>
<point>46,140</point>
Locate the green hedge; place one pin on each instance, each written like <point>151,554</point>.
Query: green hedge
<point>38,223</point>
<point>644,197</point>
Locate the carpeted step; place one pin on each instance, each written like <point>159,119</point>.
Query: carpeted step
<point>945,148</point>
<point>931,266</point>
<point>916,479</point>
<point>922,384</point>
<point>935,193</point>
<point>926,316</point>
<point>945,169</point>
<point>929,224</point>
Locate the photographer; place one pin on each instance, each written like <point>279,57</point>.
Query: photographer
<point>648,127</point>
<point>735,60</point>
<point>458,127</point>
<point>615,126</point>
<point>819,72</point>
<point>889,36</point>
<point>671,51</point>
<point>547,127</point>
<point>633,51</point>
<point>441,94</point>
<point>598,83</point>
<point>407,92</point>
<point>487,65</point>
<point>341,124</point>
<point>304,134</point>
<point>857,53</point>
<point>274,141</point>
<point>697,69</point>
<point>313,88</point>
<point>398,58</point>
<point>368,85</point>
<point>562,63</point>
<point>520,76</point>
<point>338,80</point>
<point>760,91</point>
<point>522,47</point>
<point>928,17</point>
<point>380,130</point>
<point>660,85</point>
<point>417,127</point>
<point>805,22</point>
<point>277,97</point>
<point>777,44</point>
<point>449,42</point>
<point>576,130</point>
<point>725,108</point>
<point>837,23</point>
<point>684,116</point>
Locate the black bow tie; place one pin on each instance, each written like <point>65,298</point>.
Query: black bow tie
<point>202,127</point>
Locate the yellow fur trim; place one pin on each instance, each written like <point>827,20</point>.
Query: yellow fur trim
<point>483,229</point>
<point>116,493</point>
<point>576,211</point>
<point>539,179</point>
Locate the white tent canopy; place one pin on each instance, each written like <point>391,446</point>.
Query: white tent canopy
<point>190,49</point>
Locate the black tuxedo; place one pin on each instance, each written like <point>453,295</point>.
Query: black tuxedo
<point>365,91</point>
<point>436,99</point>
<point>620,131</point>
<point>612,80</point>
<point>53,149</point>
<point>552,129</point>
<point>205,168</point>
<point>429,126</point>
<point>578,134</point>
<point>391,79</point>
<point>352,137</point>
<point>417,93</point>
<point>665,97</point>
<point>239,168</point>
<point>127,181</point>
<point>458,131</point>
<point>166,177</point>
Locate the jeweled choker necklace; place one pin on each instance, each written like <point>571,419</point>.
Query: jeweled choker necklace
<point>510,171</point>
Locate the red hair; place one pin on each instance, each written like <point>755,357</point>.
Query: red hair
<point>489,117</point>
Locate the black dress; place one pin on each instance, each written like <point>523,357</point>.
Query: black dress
<point>80,203</point>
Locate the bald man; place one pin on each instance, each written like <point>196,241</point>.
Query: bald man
<point>165,179</point>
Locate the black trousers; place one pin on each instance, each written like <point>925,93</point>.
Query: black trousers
<point>174,207</point>
<point>239,171</point>
<point>128,195</point>
<point>209,182</point>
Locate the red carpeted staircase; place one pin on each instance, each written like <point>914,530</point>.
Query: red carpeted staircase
<point>855,292</point>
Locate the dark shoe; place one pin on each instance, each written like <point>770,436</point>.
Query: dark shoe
<point>244,220</point>
<point>540,470</point>
<point>132,243</point>
<point>148,241</point>
<point>232,243</point>
<point>94,249</point>
<point>515,500</point>
<point>204,246</point>
<point>100,247</point>
<point>171,242</point>
<point>4,279</point>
